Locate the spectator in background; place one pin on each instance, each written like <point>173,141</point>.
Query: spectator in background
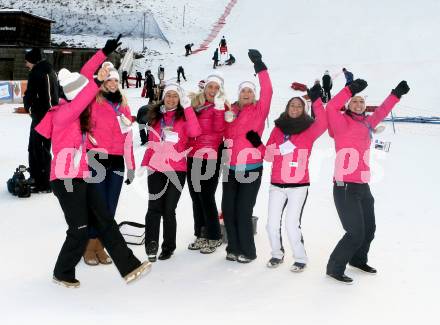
<point>215,59</point>
<point>348,77</point>
<point>188,49</point>
<point>161,73</point>
<point>138,79</point>
<point>41,94</point>
<point>180,71</point>
<point>231,60</point>
<point>149,85</point>
<point>327,84</point>
<point>125,79</point>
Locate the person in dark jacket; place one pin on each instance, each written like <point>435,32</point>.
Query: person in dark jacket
<point>231,60</point>
<point>180,71</point>
<point>149,85</point>
<point>215,59</point>
<point>188,49</point>
<point>125,79</point>
<point>138,79</point>
<point>348,77</point>
<point>41,94</point>
<point>327,85</point>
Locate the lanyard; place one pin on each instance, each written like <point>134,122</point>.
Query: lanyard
<point>201,108</point>
<point>286,137</point>
<point>367,125</point>
<point>115,107</point>
<point>163,125</point>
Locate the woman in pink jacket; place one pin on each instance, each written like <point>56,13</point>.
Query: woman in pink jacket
<point>289,148</point>
<point>204,164</point>
<point>353,131</point>
<point>110,144</point>
<point>242,178</point>
<point>70,173</point>
<point>169,127</point>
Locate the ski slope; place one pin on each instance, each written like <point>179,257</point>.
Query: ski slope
<point>299,40</point>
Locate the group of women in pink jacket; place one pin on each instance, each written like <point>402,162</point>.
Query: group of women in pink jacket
<point>196,138</point>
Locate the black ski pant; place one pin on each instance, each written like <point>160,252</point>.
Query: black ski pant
<point>238,201</point>
<point>138,83</point>
<point>178,76</point>
<point>206,223</point>
<point>39,157</point>
<point>125,82</point>
<point>75,205</point>
<point>164,193</point>
<point>355,205</point>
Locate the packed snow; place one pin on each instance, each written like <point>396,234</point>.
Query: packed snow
<point>382,42</point>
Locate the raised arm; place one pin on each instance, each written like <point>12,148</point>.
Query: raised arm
<point>320,125</point>
<point>266,90</point>
<point>385,108</point>
<point>98,58</point>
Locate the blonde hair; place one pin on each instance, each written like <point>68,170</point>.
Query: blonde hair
<point>198,98</point>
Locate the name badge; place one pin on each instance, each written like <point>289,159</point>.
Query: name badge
<point>171,136</point>
<point>293,164</point>
<point>77,154</point>
<point>287,147</point>
<point>123,125</point>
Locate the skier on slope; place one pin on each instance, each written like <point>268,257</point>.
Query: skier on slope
<point>352,132</point>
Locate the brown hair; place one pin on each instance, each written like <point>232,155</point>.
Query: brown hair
<point>84,119</point>
<point>154,114</point>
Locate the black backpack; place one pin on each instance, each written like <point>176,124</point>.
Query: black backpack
<point>18,185</point>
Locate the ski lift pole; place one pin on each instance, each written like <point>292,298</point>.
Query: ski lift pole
<point>143,36</point>
<point>392,120</point>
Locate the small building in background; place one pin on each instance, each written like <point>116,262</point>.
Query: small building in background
<point>20,31</point>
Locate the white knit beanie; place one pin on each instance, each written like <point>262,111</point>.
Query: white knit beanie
<point>247,84</point>
<point>172,86</point>
<point>215,77</point>
<point>71,82</point>
<point>113,74</point>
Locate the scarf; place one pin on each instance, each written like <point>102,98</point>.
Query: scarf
<point>289,125</point>
<point>115,97</point>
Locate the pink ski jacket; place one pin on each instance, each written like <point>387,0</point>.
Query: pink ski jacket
<point>62,125</point>
<point>353,136</point>
<point>293,168</point>
<point>107,133</point>
<point>212,123</point>
<point>162,155</point>
<point>251,117</point>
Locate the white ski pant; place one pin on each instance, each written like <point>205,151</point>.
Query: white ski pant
<point>296,199</point>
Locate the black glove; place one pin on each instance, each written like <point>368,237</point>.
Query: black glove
<point>130,176</point>
<point>401,89</point>
<point>357,86</point>
<point>254,138</point>
<point>314,93</point>
<point>111,45</point>
<point>98,82</point>
<point>255,57</point>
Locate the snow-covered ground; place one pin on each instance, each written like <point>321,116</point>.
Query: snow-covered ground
<point>299,41</point>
